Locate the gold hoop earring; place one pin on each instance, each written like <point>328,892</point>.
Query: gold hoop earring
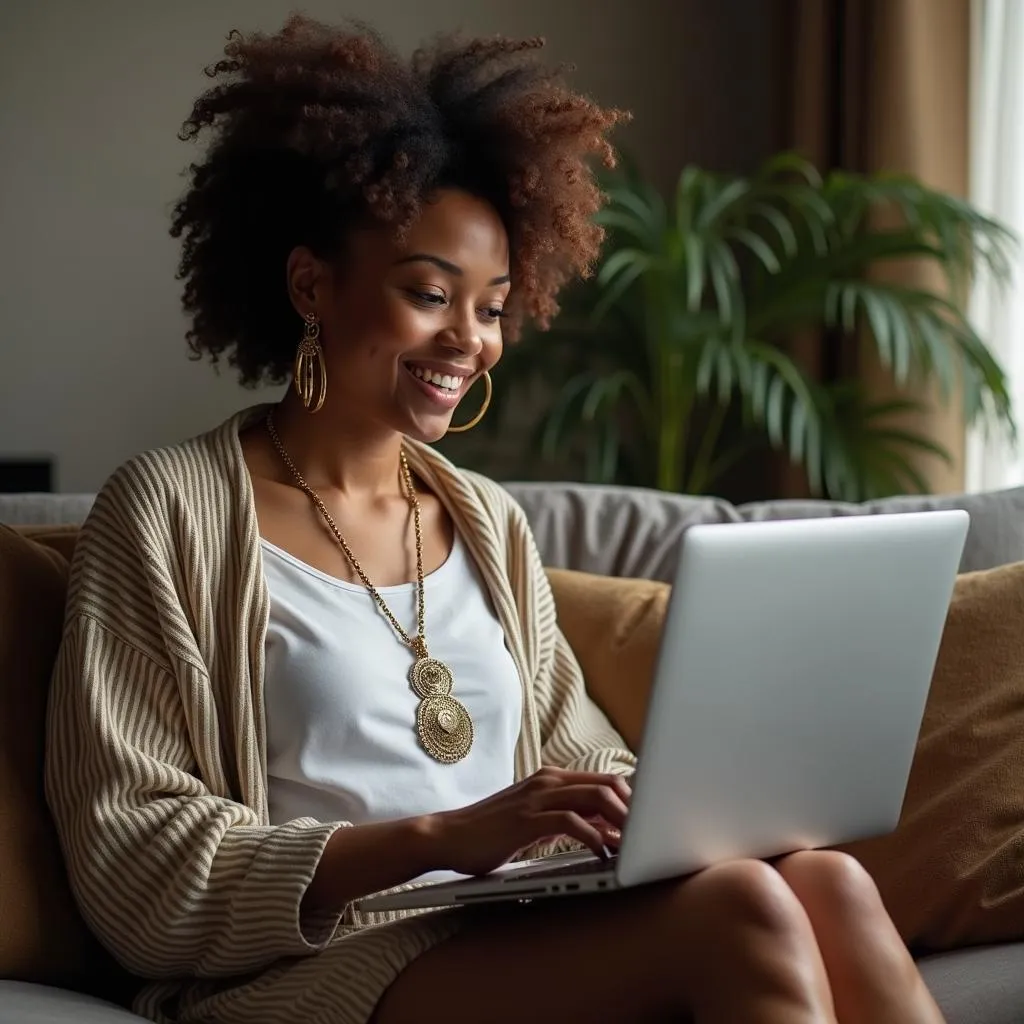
<point>483,408</point>
<point>310,376</point>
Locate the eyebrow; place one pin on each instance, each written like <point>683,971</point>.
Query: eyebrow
<point>448,267</point>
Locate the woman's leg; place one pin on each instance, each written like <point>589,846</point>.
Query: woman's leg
<point>730,944</point>
<point>872,976</point>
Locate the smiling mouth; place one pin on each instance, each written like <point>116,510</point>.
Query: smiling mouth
<point>444,382</point>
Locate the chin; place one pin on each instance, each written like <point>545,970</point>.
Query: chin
<point>427,433</point>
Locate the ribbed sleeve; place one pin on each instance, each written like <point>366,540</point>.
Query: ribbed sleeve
<point>174,880</point>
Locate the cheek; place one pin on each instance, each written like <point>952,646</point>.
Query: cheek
<point>405,319</point>
<point>399,325</point>
<point>373,333</point>
<point>493,348</point>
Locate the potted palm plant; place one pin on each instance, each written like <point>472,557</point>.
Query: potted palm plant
<point>691,316</point>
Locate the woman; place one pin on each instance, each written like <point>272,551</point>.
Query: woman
<point>306,659</point>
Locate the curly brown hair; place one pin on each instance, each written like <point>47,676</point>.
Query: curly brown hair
<point>318,129</point>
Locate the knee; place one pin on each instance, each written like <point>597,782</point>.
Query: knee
<point>752,941</point>
<point>749,894</point>
<point>831,880</point>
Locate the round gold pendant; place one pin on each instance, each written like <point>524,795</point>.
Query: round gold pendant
<point>444,727</point>
<point>431,678</point>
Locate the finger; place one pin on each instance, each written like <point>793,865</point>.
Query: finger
<point>612,836</point>
<point>573,825</point>
<point>561,777</point>
<point>588,801</point>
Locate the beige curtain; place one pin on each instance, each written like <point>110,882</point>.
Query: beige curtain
<point>883,85</point>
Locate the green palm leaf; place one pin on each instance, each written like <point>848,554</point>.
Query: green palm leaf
<point>691,314</point>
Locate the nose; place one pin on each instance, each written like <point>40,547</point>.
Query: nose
<point>463,336</point>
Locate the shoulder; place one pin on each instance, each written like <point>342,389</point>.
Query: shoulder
<point>163,498</point>
<point>495,498</point>
<point>480,497</point>
<point>154,487</point>
<point>490,509</point>
<point>160,530</point>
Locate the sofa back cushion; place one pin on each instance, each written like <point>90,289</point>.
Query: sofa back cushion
<point>42,937</point>
<point>623,531</point>
<point>629,531</point>
<point>995,537</point>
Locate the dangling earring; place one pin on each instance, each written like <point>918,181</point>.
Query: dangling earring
<point>483,408</point>
<point>310,375</point>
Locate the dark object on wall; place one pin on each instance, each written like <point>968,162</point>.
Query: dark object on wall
<point>20,476</point>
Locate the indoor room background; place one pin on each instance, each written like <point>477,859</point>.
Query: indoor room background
<point>93,362</point>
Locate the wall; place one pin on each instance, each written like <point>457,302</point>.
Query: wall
<point>93,365</point>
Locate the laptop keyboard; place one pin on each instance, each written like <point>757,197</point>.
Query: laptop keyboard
<point>589,867</point>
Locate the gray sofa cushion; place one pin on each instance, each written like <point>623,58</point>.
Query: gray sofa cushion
<point>21,1003</point>
<point>996,536</point>
<point>619,531</point>
<point>632,532</point>
<point>979,986</point>
<point>44,509</point>
<point>613,531</point>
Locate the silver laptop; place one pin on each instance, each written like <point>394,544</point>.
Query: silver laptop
<point>790,686</point>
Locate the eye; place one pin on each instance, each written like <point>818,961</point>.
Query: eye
<point>428,298</point>
<point>493,314</point>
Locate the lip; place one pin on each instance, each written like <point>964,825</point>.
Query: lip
<point>443,400</point>
<point>452,369</point>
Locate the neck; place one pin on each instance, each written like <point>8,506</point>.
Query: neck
<point>332,452</point>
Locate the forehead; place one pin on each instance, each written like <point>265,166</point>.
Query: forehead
<point>463,229</point>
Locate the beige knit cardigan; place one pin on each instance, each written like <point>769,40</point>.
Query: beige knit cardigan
<point>156,764</point>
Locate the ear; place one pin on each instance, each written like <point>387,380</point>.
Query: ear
<point>308,280</point>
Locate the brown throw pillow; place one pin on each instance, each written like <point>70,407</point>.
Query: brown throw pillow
<point>42,937</point>
<point>952,873</point>
<point>613,626</point>
<point>60,539</point>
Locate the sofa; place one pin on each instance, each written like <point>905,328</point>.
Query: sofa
<point>610,531</point>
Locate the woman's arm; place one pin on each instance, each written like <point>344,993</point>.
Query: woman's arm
<point>472,840</point>
<point>175,879</point>
<point>152,773</point>
<point>368,858</point>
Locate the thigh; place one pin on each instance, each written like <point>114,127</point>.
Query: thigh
<point>731,943</point>
<point>566,960</point>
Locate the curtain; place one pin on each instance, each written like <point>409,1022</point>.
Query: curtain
<point>882,85</point>
<point>997,188</point>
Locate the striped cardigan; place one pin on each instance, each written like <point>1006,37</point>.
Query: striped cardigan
<point>156,760</point>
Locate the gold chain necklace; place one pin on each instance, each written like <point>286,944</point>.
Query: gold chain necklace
<point>443,724</point>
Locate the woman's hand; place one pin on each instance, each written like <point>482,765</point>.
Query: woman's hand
<point>473,840</point>
<point>586,806</point>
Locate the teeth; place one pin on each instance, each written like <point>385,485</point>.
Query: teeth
<point>441,380</point>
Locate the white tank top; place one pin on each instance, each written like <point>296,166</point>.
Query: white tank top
<point>340,714</point>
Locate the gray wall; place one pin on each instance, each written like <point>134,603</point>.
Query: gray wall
<point>93,365</point>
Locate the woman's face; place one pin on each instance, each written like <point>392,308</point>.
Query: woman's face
<point>407,327</point>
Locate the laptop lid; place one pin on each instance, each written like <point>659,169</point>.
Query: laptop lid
<point>790,686</point>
